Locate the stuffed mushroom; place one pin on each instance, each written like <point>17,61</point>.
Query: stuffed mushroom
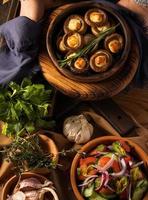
<point>80,65</point>
<point>75,23</point>
<point>97,29</point>
<point>101,61</point>
<point>73,40</point>
<point>96,17</point>
<point>114,43</point>
<point>60,45</point>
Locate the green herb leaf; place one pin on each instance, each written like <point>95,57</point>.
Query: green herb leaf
<point>24,107</point>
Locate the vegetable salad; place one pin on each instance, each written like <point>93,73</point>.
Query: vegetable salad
<point>111,172</point>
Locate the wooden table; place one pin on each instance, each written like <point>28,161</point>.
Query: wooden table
<point>134,102</point>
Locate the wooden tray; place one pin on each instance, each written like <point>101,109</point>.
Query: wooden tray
<point>88,91</point>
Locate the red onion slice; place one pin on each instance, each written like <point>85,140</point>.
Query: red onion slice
<point>122,172</point>
<point>86,181</point>
<point>108,165</point>
<point>129,192</point>
<point>99,154</point>
<point>101,184</point>
<point>110,188</point>
<point>104,180</point>
<point>137,164</point>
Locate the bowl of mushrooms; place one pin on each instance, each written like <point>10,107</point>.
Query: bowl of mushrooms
<point>88,41</point>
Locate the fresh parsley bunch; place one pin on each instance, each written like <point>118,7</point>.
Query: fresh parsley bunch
<point>24,107</point>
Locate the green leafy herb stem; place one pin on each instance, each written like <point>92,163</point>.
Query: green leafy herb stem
<point>24,107</point>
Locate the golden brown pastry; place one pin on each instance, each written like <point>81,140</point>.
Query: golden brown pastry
<point>114,43</point>
<point>96,17</point>
<point>73,40</point>
<point>75,23</point>
<point>101,61</point>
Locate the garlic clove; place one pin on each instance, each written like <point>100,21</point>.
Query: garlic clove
<point>32,195</point>
<point>29,184</point>
<point>18,196</point>
<point>45,190</point>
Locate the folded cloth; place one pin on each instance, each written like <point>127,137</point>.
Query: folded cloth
<point>19,47</point>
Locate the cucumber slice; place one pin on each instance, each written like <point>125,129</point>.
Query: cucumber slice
<point>88,191</point>
<point>96,196</point>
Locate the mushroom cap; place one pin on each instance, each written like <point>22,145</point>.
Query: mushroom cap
<point>73,40</point>
<point>75,23</point>
<point>80,65</point>
<point>60,44</point>
<point>114,43</point>
<point>97,29</point>
<point>100,61</point>
<point>96,17</point>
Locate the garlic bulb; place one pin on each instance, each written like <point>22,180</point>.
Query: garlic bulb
<point>77,129</point>
<point>33,189</point>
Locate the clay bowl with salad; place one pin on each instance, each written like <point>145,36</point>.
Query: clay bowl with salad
<point>88,42</point>
<point>110,167</point>
<point>29,186</point>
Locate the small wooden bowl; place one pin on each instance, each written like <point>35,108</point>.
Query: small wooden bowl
<point>48,146</point>
<point>55,28</point>
<point>11,183</point>
<point>141,155</point>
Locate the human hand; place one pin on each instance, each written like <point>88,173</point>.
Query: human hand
<point>34,9</point>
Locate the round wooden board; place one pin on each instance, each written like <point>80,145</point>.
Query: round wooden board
<point>89,91</point>
<point>56,27</point>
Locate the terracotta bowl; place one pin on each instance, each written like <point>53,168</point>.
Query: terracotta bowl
<point>11,183</point>
<point>141,155</point>
<point>56,27</point>
<point>48,146</point>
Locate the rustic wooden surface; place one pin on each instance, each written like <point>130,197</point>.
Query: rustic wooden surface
<point>8,10</point>
<point>89,91</point>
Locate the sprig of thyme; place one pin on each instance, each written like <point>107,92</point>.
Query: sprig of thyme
<point>27,154</point>
<point>88,48</point>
